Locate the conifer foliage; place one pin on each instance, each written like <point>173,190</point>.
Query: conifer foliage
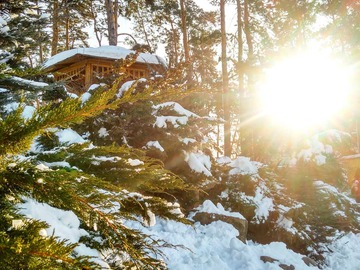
<point>87,180</point>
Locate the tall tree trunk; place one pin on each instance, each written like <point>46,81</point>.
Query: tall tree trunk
<point>225,84</point>
<point>55,28</point>
<point>247,145</point>
<point>41,49</point>
<point>185,39</point>
<point>111,13</point>
<point>67,31</point>
<point>184,30</point>
<point>240,67</point>
<point>240,75</point>
<point>247,30</point>
<point>175,43</point>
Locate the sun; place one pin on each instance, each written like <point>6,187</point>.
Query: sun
<point>305,91</point>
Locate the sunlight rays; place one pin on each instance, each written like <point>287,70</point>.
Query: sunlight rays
<point>305,91</point>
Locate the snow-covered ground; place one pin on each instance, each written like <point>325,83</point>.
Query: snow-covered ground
<point>203,247</point>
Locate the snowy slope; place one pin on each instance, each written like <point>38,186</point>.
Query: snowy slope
<point>202,247</point>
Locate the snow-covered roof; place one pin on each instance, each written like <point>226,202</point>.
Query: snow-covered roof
<point>110,52</point>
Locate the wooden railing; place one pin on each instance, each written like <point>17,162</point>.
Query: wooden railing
<point>69,74</point>
<point>80,76</point>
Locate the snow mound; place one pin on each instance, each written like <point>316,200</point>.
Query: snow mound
<point>209,207</point>
<point>215,246</point>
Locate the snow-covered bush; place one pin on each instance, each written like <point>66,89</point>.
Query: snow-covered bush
<point>163,129</point>
<point>306,204</point>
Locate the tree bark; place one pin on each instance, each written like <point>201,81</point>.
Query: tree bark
<point>111,14</point>
<point>247,132</point>
<point>67,31</point>
<point>184,31</point>
<point>225,83</point>
<point>247,30</point>
<point>55,28</point>
<point>41,49</point>
<point>185,40</point>
<point>240,75</point>
<point>240,67</point>
<point>174,40</point>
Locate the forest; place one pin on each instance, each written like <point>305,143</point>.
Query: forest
<point>224,135</point>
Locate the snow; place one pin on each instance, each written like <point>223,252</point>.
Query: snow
<point>215,246</point>
<point>42,167</point>
<point>263,204</point>
<point>3,26</point>
<point>343,253</point>
<point>211,247</point>
<point>243,166</point>
<point>223,160</point>
<point>111,52</point>
<point>316,152</point>
<point>27,112</point>
<point>199,162</point>
<point>209,207</point>
<point>63,224</point>
<point>152,219</point>
<point>155,144</point>
<point>176,121</point>
<point>85,97</point>
<point>188,140</point>
<point>69,136</point>
<point>127,85</point>
<point>95,86</point>
<point>29,82</point>
<point>135,162</point>
<point>96,160</point>
<point>124,87</point>
<point>287,224</point>
<point>103,132</point>
<point>62,164</point>
<point>176,107</point>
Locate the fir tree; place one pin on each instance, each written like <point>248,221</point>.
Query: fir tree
<point>99,200</point>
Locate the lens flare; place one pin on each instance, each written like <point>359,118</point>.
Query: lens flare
<point>305,91</point>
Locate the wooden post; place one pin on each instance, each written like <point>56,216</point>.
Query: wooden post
<point>88,75</point>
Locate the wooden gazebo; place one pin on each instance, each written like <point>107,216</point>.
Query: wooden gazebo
<point>79,68</point>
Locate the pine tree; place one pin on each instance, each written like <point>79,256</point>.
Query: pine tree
<point>100,201</point>
<point>26,36</point>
